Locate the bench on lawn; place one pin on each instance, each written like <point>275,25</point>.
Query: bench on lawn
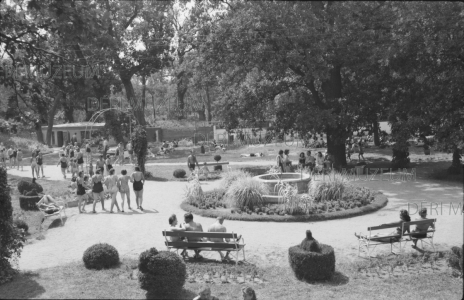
<point>233,245</point>
<point>408,237</point>
<point>372,241</point>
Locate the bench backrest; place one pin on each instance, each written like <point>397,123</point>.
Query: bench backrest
<point>382,227</point>
<point>199,234</point>
<point>430,222</point>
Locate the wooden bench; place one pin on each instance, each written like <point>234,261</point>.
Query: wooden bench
<point>372,240</point>
<point>233,245</point>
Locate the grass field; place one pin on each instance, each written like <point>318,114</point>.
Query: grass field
<point>278,282</point>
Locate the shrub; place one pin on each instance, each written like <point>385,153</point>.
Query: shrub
<point>455,258</point>
<point>217,157</point>
<point>179,173</point>
<point>309,243</point>
<point>246,192</point>
<point>11,239</point>
<point>232,176</point>
<point>161,272</point>
<point>310,266</point>
<point>27,186</point>
<point>29,202</point>
<point>100,256</point>
<point>32,193</point>
<point>194,192</point>
<point>21,225</point>
<point>330,189</point>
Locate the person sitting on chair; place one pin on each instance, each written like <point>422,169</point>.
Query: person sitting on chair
<point>421,229</point>
<point>48,205</point>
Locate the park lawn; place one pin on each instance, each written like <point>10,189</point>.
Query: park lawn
<point>32,217</point>
<point>75,281</point>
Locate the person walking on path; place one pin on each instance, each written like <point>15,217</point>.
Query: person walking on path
<point>40,165</point>
<point>97,190</point>
<point>80,193</point>
<point>287,161</point>
<point>108,164</point>
<point>120,155</point>
<point>192,161</point>
<point>19,156</point>
<point>74,168</point>
<point>88,152</point>
<point>80,160</point>
<point>361,151</point>
<point>100,165</point>
<point>138,181</point>
<point>10,156</point>
<point>112,181</point>
<point>124,190</point>
<point>34,167</point>
<point>64,165</point>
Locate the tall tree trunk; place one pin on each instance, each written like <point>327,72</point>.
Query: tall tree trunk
<point>38,131</point>
<point>51,117</point>
<point>332,89</point>
<point>144,88</point>
<point>376,133</point>
<point>154,109</point>
<point>137,107</point>
<point>68,109</point>
<point>201,114</point>
<point>208,105</point>
<point>181,91</point>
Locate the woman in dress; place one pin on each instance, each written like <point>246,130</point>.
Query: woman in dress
<point>138,181</point>
<point>40,165</point>
<point>19,157</point>
<point>80,191</point>
<point>108,164</point>
<point>80,160</point>
<point>280,161</point>
<point>124,190</point>
<point>64,165</point>
<point>112,181</point>
<point>97,190</point>
<point>34,166</point>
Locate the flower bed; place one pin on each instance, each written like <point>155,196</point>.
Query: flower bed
<point>377,203</point>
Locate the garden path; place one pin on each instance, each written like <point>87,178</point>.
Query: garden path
<point>267,242</point>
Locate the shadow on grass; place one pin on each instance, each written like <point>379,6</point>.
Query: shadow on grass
<point>162,179</point>
<point>57,223</point>
<point>23,286</point>
<point>337,279</point>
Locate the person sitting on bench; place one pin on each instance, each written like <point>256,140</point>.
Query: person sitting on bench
<point>218,227</point>
<point>421,229</point>
<point>189,225</point>
<point>404,217</point>
<point>173,223</point>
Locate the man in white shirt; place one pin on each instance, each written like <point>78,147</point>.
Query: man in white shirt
<point>218,227</point>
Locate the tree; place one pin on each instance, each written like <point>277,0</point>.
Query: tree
<point>11,239</point>
<point>140,143</point>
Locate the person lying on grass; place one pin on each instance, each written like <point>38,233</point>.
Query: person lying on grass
<point>251,155</point>
<point>392,236</point>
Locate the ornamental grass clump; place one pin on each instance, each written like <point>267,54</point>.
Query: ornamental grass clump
<point>194,192</point>
<point>246,192</point>
<point>311,261</point>
<point>161,272</point>
<point>100,256</point>
<point>331,187</point>
<point>232,176</point>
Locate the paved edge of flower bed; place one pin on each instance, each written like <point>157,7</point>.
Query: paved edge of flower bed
<point>380,201</point>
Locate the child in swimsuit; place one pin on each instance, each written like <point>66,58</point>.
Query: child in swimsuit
<point>64,165</point>
<point>124,188</point>
<point>40,165</point>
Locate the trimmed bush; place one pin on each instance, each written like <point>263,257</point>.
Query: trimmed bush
<point>312,265</point>
<point>21,225</point>
<point>217,168</point>
<point>100,256</point>
<point>29,202</point>
<point>162,272</point>
<point>217,157</point>
<point>26,186</point>
<point>455,259</point>
<point>179,173</point>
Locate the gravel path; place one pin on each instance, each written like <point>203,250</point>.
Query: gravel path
<point>133,231</point>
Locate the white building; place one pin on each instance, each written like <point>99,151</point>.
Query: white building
<point>62,133</point>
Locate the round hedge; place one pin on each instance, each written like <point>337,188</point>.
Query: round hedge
<point>21,224</point>
<point>27,186</point>
<point>217,157</point>
<point>179,173</point>
<point>100,256</point>
<point>311,266</point>
<point>162,272</point>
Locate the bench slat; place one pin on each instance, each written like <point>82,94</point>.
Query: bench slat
<point>203,245</point>
<point>382,227</point>
<point>213,164</point>
<point>199,234</point>
<point>431,221</point>
<point>409,234</point>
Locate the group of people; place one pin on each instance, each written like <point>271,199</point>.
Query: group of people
<point>15,157</point>
<point>355,147</point>
<point>307,161</point>
<point>190,225</point>
<point>90,188</point>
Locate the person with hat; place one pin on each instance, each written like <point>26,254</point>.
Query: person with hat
<point>248,293</point>
<point>218,227</point>
<point>421,229</point>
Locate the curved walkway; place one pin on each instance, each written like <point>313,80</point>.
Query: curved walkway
<point>133,232</point>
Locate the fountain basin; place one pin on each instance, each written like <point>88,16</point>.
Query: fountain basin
<point>299,180</point>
